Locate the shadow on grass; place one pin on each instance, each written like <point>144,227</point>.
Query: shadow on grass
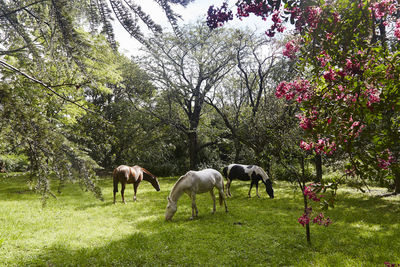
<point>255,231</point>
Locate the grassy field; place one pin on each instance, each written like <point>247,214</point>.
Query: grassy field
<point>79,230</point>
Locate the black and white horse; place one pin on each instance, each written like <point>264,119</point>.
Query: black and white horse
<point>251,173</point>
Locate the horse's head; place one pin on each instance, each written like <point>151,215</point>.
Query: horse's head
<point>171,209</point>
<point>147,176</point>
<point>268,187</point>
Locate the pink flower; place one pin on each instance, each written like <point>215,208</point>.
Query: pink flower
<point>304,219</point>
<point>281,89</point>
<point>329,75</point>
<point>386,159</point>
<point>397,29</point>
<point>308,192</point>
<point>306,146</point>
<point>313,16</point>
<point>324,58</point>
<point>383,8</point>
<point>290,49</point>
<point>305,123</point>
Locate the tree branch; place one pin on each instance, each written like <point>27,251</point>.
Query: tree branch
<point>10,67</point>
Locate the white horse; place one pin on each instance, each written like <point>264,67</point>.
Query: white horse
<point>192,183</point>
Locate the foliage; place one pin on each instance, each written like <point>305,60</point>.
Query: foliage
<point>348,61</point>
<point>13,163</point>
<point>49,65</point>
<point>87,232</point>
<point>349,99</point>
<point>186,70</point>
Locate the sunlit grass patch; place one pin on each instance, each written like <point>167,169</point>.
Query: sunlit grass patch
<point>77,229</point>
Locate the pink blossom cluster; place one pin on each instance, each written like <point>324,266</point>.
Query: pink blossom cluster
<point>329,75</point>
<point>303,17</point>
<point>310,193</point>
<point>216,17</point>
<point>313,15</point>
<point>305,122</point>
<point>290,50</point>
<point>277,26</point>
<point>304,219</point>
<point>321,220</point>
<point>388,264</point>
<point>322,146</point>
<point>373,95</point>
<point>324,58</point>
<point>259,8</point>
<point>386,159</point>
<point>301,88</point>
<point>397,29</point>
<point>355,128</point>
<point>353,67</point>
<point>382,8</point>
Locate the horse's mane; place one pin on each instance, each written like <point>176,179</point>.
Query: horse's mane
<point>149,173</point>
<point>263,173</point>
<point>179,181</point>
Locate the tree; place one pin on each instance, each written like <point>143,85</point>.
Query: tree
<point>186,68</point>
<point>47,78</point>
<point>348,89</point>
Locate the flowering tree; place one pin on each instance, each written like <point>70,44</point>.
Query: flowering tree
<point>348,61</point>
<point>348,55</point>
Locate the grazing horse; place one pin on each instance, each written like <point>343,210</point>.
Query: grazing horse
<point>192,183</point>
<point>247,173</point>
<point>132,175</point>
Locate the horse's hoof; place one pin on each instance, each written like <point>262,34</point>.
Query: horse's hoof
<point>191,218</point>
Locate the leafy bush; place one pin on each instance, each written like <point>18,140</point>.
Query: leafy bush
<point>14,163</point>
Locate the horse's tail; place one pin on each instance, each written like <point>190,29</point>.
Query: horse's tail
<point>115,181</point>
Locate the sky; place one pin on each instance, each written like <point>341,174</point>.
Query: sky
<point>192,12</point>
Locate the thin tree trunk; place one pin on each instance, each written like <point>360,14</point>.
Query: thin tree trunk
<point>308,234</point>
<point>193,149</point>
<point>318,168</point>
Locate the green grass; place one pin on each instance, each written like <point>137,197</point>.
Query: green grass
<point>79,230</point>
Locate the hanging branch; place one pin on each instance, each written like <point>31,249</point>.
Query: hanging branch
<point>10,67</point>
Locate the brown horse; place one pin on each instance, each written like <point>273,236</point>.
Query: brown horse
<point>132,175</point>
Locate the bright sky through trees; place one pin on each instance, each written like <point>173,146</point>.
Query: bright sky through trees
<point>194,11</point>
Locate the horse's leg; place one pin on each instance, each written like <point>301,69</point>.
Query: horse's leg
<point>213,198</point>
<point>115,189</point>
<point>122,193</point>
<point>135,186</point>
<point>194,207</point>
<point>251,186</point>
<point>228,188</point>
<point>257,188</point>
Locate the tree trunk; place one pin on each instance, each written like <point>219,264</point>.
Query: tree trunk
<point>193,149</point>
<point>318,168</point>
<point>303,172</point>
<point>397,182</point>
<point>238,148</point>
